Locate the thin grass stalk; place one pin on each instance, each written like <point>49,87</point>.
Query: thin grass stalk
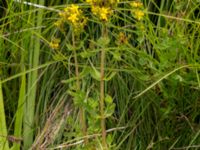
<point>20,113</point>
<point>27,106</point>
<point>3,127</point>
<point>20,110</point>
<point>103,126</point>
<point>30,103</point>
<point>81,110</point>
<point>21,100</point>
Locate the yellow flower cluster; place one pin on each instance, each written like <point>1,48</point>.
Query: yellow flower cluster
<point>103,9</point>
<point>122,39</point>
<point>102,12</point>
<point>54,43</point>
<point>139,14</point>
<point>74,16</point>
<point>137,11</point>
<point>136,4</point>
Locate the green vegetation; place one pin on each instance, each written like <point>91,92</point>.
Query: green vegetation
<point>94,74</point>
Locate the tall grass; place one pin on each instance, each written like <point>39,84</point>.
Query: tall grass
<point>3,127</point>
<point>32,79</point>
<point>134,86</point>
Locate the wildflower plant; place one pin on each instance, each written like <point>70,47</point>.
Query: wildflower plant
<point>73,16</point>
<point>96,105</point>
<point>103,10</point>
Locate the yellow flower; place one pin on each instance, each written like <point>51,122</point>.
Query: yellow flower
<point>102,8</point>
<point>122,38</point>
<point>136,4</point>
<point>95,9</point>
<point>78,27</point>
<point>138,14</point>
<point>89,1</point>
<point>73,18</point>
<point>58,23</point>
<point>104,13</point>
<point>62,14</point>
<point>54,43</point>
<point>72,9</point>
<point>114,2</point>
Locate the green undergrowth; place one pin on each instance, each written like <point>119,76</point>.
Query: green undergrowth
<point>121,78</point>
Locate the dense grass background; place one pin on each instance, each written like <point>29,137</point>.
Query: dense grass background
<point>155,85</point>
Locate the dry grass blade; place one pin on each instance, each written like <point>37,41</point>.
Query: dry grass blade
<point>52,126</point>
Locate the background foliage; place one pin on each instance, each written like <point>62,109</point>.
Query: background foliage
<point>152,77</point>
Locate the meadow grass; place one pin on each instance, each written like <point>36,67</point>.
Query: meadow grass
<point>127,79</point>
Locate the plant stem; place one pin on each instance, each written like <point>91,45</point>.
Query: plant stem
<point>103,126</point>
<point>81,110</point>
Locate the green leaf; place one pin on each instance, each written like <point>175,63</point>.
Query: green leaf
<point>78,97</point>
<point>85,72</point>
<point>69,80</point>
<point>142,61</point>
<point>103,41</point>
<point>116,55</point>
<point>109,76</point>
<point>110,110</point>
<point>86,54</point>
<point>70,47</point>
<point>80,45</point>
<point>92,103</point>
<point>92,108</point>
<point>109,139</point>
<point>108,99</point>
<point>95,74</point>
<point>58,57</point>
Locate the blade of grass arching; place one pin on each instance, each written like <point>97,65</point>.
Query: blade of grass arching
<point>28,71</point>
<point>30,103</point>
<point>165,76</point>
<point>3,128</point>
